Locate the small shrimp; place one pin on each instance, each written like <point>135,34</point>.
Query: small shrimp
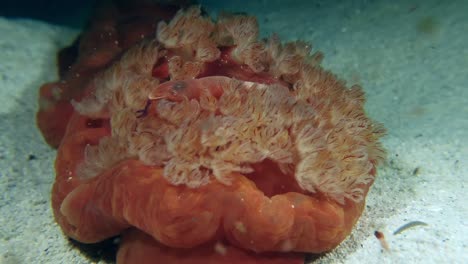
<point>189,89</point>
<point>180,90</point>
<point>380,236</point>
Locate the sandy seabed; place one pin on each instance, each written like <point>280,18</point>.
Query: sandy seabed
<point>411,57</point>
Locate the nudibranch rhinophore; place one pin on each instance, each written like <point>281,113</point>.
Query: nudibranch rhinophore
<point>248,150</point>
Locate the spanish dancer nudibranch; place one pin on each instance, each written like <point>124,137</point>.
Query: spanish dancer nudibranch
<point>247,150</point>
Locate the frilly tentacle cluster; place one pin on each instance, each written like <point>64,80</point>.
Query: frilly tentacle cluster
<point>306,120</point>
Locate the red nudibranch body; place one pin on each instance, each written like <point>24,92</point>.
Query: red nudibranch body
<point>248,151</point>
